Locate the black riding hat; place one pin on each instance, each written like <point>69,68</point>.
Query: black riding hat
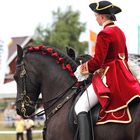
<point>105,7</point>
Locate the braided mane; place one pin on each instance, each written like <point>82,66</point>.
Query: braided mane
<point>66,62</point>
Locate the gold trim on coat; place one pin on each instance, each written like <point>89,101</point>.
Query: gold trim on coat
<point>118,121</point>
<point>124,106</point>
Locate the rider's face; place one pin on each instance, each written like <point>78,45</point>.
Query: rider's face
<point>99,18</point>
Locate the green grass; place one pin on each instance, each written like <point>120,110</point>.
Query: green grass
<point>36,136</point>
<point>12,128</point>
<point>13,137</point>
<point>3,127</point>
<point>7,137</point>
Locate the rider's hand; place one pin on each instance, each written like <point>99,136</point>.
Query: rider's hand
<point>80,74</point>
<point>84,69</point>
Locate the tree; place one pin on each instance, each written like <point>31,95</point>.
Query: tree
<point>64,31</point>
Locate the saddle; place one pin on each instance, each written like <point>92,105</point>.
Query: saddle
<point>93,113</point>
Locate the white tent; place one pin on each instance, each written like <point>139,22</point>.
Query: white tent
<point>8,90</point>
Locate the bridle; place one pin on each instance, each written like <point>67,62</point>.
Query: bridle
<point>24,99</point>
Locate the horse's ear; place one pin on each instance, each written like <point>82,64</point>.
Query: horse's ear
<point>19,53</point>
<point>70,52</point>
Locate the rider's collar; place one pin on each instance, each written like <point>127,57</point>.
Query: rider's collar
<point>107,22</point>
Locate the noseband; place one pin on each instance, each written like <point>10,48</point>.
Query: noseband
<point>24,99</point>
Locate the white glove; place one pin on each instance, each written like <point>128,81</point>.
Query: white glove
<point>80,77</point>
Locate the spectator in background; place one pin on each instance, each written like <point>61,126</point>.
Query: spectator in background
<point>29,124</point>
<point>10,114</point>
<point>20,127</point>
<point>40,118</point>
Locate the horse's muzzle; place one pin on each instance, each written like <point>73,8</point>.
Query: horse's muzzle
<point>25,111</point>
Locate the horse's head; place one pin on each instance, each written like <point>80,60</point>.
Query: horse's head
<point>27,89</point>
<point>42,70</point>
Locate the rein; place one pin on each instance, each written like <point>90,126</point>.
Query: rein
<point>59,106</point>
<point>25,99</point>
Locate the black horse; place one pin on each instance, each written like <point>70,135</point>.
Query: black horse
<point>49,72</point>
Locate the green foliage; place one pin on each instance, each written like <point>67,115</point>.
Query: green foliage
<point>65,31</point>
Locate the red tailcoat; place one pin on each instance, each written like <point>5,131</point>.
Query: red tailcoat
<point>123,85</point>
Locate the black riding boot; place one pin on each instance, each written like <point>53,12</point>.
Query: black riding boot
<point>83,125</point>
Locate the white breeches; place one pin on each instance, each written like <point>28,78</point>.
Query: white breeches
<point>87,100</point>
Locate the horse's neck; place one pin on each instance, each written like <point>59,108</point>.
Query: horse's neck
<point>55,79</point>
<point>54,76</point>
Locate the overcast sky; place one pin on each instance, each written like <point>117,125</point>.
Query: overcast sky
<point>21,17</point>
